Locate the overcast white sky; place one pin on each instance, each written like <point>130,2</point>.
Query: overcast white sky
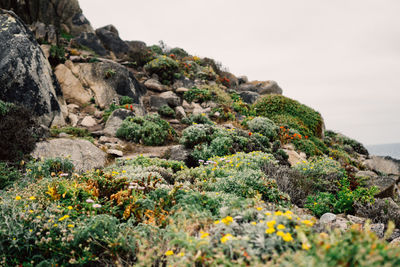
<point>341,57</point>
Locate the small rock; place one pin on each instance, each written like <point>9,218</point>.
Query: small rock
<point>171,98</point>
<point>180,112</point>
<point>368,174</point>
<point>340,223</point>
<point>98,114</point>
<point>88,121</point>
<point>181,90</point>
<point>179,153</point>
<point>105,139</point>
<point>378,229</point>
<point>395,242</point>
<point>249,97</point>
<point>115,152</point>
<point>327,218</point>
<point>73,108</point>
<point>73,118</point>
<point>355,219</point>
<point>115,120</point>
<point>155,85</point>
<point>65,135</point>
<point>174,121</point>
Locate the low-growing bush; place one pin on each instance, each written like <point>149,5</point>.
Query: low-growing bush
<point>16,131</point>
<point>125,100</point>
<point>283,110</point>
<point>197,119</point>
<point>8,175</point>
<point>263,126</point>
<point>57,55</point>
<point>50,167</point>
<point>74,131</point>
<point>197,95</point>
<point>149,130</point>
<point>165,67</point>
<point>166,111</point>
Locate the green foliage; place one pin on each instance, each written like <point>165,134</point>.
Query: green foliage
<point>74,131</point>
<point>50,167</point>
<point>16,131</point>
<point>149,130</point>
<point>57,55</point>
<point>178,52</point>
<point>148,162</point>
<point>166,111</point>
<point>165,67</point>
<point>197,134</point>
<point>284,110</point>
<point>156,49</point>
<point>125,100</point>
<point>110,110</point>
<point>197,95</point>
<point>307,146</point>
<point>8,175</point>
<point>197,119</point>
<point>263,126</point>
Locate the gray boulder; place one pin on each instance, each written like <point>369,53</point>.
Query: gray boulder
<point>26,77</point>
<point>249,97</point>
<point>63,14</point>
<point>111,41</point>
<point>171,98</point>
<point>386,185</point>
<point>44,33</point>
<point>83,154</point>
<point>261,87</point>
<point>90,40</point>
<point>115,120</point>
<point>383,164</point>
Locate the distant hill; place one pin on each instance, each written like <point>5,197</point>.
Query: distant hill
<point>392,150</point>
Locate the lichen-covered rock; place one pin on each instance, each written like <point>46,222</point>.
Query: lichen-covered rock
<point>26,77</point>
<point>91,41</point>
<point>261,87</point>
<point>63,14</point>
<point>83,154</point>
<point>383,164</point>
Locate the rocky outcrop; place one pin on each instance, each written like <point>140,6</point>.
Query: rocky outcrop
<point>106,81</point>
<point>83,154</point>
<point>26,77</point>
<point>63,14</point>
<point>383,164</point>
<point>115,121</point>
<point>91,41</point>
<point>261,87</point>
<point>111,41</point>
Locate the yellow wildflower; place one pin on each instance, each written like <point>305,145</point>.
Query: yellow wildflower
<point>70,207</point>
<point>280,233</point>
<point>308,222</point>
<point>226,238</point>
<point>271,224</point>
<point>203,234</point>
<point>270,230</point>
<point>70,225</point>
<point>32,198</point>
<point>169,253</point>
<point>217,222</point>
<point>278,213</point>
<point>253,223</point>
<point>287,237</point>
<point>17,198</point>
<point>63,218</point>
<point>55,225</point>
<point>181,254</point>
<point>267,213</point>
<point>305,246</point>
<point>227,220</point>
<point>280,227</point>
<point>258,208</point>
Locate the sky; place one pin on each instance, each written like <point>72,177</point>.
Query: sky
<point>340,57</point>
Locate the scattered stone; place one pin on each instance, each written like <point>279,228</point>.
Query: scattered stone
<point>171,98</point>
<point>73,108</point>
<point>378,229</point>
<point>115,120</point>
<point>88,122</point>
<point>365,174</point>
<point>84,155</point>
<point>395,242</point>
<point>249,97</point>
<point>73,119</point>
<point>63,135</point>
<point>174,121</point>
<point>179,152</point>
<point>355,219</point>
<point>115,152</point>
<point>105,139</point>
<point>327,218</point>
<point>181,90</point>
<point>180,112</point>
<point>155,85</point>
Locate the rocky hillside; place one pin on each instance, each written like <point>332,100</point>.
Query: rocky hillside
<point>116,153</point>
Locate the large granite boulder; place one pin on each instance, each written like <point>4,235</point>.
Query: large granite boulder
<point>83,154</point>
<point>26,77</point>
<point>106,81</point>
<point>63,14</point>
<point>386,165</point>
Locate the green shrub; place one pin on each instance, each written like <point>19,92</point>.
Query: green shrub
<point>263,126</point>
<point>283,110</point>
<point>57,55</point>
<point>178,52</point>
<point>197,95</point>
<point>47,167</point>
<point>125,100</point>
<point>148,162</point>
<point>16,131</point>
<point>197,134</point>
<point>149,130</point>
<point>197,119</point>
<point>75,131</point>
<point>156,49</point>
<point>165,67</point>
<point>8,175</point>
<point>166,111</point>
<point>307,146</point>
